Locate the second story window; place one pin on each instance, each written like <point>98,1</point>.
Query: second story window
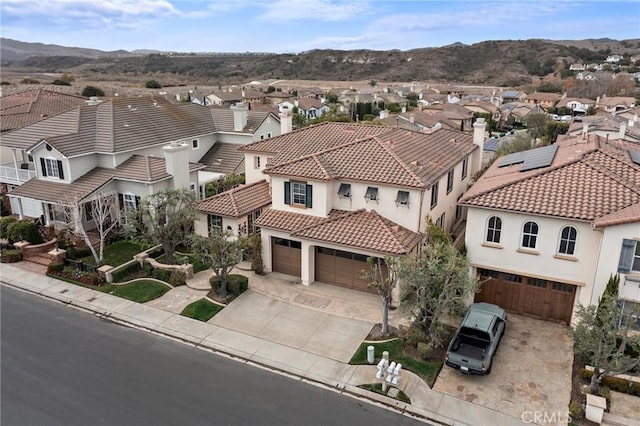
<point>568,240</point>
<point>629,257</point>
<point>434,195</point>
<point>371,194</point>
<point>494,229</point>
<point>214,224</point>
<point>529,235</point>
<point>465,167</point>
<point>402,199</point>
<point>449,181</point>
<point>298,194</point>
<point>345,190</point>
<point>52,168</point>
<point>257,161</point>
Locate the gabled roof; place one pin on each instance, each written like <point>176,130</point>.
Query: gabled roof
<point>223,119</point>
<point>590,179</point>
<point>223,158</point>
<point>137,168</point>
<point>396,157</point>
<point>227,96</point>
<point>544,97</point>
<point>24,108</point>
<point>361,229</point>
<point>309,103</point>
<point>118,125</point>
<point>238,201</point>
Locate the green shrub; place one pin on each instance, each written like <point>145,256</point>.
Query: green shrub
<point>148,269</point>
<point>89,91</point>
<point>415,335</point>
<point>616,384</point>
<point>23,230</point>
<point>214,281</point>
<point>60,82</point>
<point>586,374</point>
<point>576,410</point>
<point>4,225</point>
<point>161,274</point>
<point>256,261</point>
<point>126,272</point>
<point>177,278</point>
<point>425,350</point>
<point>10,256</point>
<point>237,284</point>
<point>55,267</point>
<point>153,84</point>
<point>634,389</point>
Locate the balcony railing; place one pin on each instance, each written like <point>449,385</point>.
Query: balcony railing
<point>9,174</point>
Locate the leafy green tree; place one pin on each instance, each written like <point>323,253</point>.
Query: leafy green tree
<point>90,91</point>
<point>602,339</point>
<point>223,184</point>
<point>164,218</point>
<point>536,124</point>
<point>521,142</point>
<point>221,251</point>
<point>60,82</point>
<point>153,84</point>
<point>373,83</point>
<point>332,98</point>
<point>256,248</point>
<point>384,280</point>
<point>436,282</point>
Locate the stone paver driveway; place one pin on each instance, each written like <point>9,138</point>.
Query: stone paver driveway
<point>531,372</point>
<point>307,329</point>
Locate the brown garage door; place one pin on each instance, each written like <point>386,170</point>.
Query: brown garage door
<point>286,256</point>
<point>534,297</point>
<point>342,268</point>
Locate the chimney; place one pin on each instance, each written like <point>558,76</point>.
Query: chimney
<point>412,118</point>
<point>286,122</point>
<point>239,116</point>
<point>479,128</point>
<point>176,157</point>
<point>623,130</point>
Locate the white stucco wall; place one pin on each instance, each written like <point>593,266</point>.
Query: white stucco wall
<point>253,173</point>
<point>81,165</point>
<point>608,260</point>
<point>41,152</point>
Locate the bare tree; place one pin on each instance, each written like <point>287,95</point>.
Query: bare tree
<point>221,251</point>
<point>384,280</point>
<point>80,214</point>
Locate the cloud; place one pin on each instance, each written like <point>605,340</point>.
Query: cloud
<point>323,10</point>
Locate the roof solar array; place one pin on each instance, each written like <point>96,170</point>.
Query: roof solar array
<point>635,156</point>
<point>531,159</point>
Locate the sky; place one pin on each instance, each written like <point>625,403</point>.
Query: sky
<point>294,26</point>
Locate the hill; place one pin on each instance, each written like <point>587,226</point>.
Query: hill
<point>499,63</point>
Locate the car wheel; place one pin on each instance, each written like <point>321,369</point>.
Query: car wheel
<point>490,367</point>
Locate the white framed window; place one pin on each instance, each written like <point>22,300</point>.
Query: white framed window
<point>214,224</point>
<point>371,194</point>
<point>494,230</point>
<point>434,194</point>
<point>51,168</point>
<point>529,235</point>
<point>568,237</point>
<point>632,311</point>
<point>440,221</point>
<point>130,203</point>
<point>299,193</point>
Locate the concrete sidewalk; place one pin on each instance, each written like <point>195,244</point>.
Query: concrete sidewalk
<point>258,350</point>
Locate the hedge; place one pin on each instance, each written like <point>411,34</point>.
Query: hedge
<point>126,271</point>
<point>23,230</point>
<point>236,284</point>
<point>615,383</point>
<point>10,256</point>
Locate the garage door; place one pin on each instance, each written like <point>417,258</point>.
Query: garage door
<point>342,268</point>
<point>286,256</point>
<point>534,297</point>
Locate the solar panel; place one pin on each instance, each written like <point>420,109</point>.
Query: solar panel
<point>635,156</point>
<point>515,158</point>
<point>539,157</point>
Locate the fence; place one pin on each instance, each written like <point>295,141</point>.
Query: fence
<point>80,265</point>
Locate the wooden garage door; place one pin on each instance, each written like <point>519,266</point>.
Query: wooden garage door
<point>286,256</point>
<point>534,297</point>
<point>341,268</point>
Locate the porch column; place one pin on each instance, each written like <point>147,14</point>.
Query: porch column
<point>15,164</point>
<point>20,211</point>
<point>307,263</point>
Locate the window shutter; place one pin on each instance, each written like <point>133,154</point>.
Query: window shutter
<point>626,255</point>
<point>44,167</point>
<point>121,201</point>
<point>309,197</point>
<point>287,192</point>
<point>60,170</point>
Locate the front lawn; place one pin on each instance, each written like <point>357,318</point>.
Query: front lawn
<point>427,370</point>
<point>202,310</point>
<point>140,291</point>
<point>119,252</point>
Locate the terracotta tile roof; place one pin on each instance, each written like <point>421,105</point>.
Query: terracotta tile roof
<point>223,158</point>
<point>362,229</point>
<point>589,179</point>
<point>397,156</point>
<point>308,103</point>
<point>137,168</point>
<point>285,221</point>
<point>238,201</point>
<point>22,109</point>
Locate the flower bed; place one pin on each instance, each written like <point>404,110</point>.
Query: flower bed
<point>72,274</point>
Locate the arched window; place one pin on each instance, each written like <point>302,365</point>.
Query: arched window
<point>529,235</point>
<point>568,240</point>
<point>494,229</point>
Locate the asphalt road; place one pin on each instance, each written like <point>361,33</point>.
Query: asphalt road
<point>61,366</point>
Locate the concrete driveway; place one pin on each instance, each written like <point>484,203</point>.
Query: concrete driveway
<point>307,329</point>
<point>531,371</point>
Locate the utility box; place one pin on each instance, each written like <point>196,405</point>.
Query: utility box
<point>595,408</point>
<point>370,354</point>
